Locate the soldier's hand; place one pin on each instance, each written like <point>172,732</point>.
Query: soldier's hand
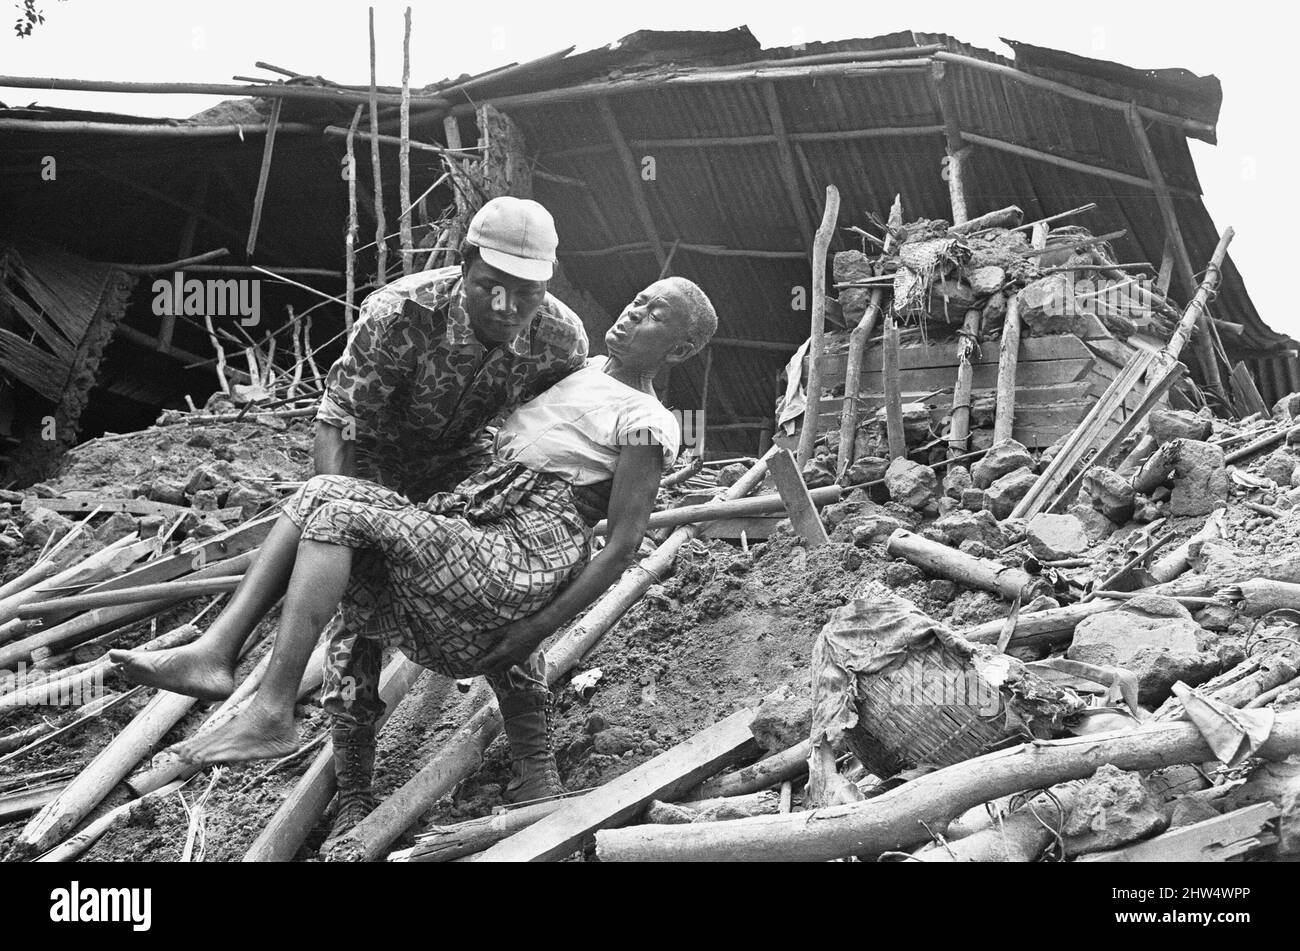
<point>514,643</point>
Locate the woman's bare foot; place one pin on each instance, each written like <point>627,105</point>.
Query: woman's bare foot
<point>188,670</point>
<point>257,733</point>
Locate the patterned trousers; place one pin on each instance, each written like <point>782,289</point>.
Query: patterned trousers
<point>435,584</point>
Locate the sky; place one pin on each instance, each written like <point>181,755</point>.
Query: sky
<point>1245,177</point>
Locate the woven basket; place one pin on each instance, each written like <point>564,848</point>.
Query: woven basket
<point>914,694</point>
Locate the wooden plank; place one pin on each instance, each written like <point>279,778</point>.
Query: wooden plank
<point>798,504</point>
<point>921,356</point>
<point>984,376</point>
<point>1028,396</point>
<point>755,528</point>
<point>668,776</point>
<point>1211,840</point>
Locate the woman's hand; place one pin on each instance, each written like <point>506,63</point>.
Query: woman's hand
<point>514,643</point>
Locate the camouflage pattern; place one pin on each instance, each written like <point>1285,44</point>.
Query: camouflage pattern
<point>416,388</point>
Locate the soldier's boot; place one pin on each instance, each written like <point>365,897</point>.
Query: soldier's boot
<point>354,768</point>
<point>533,773</point>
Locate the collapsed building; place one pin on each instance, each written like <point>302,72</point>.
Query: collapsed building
<point>1030,362</point>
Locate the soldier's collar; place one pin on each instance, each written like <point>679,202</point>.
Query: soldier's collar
<point>461,334</point>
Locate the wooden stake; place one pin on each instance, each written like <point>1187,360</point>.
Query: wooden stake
<point>821,244</point>
<point>381,238</point>
<point>798,503</point>
<point>959,428</point>
<point>732,508</point>
<point>893,398</point>
<point>404,153</point>
<point>350,239</point>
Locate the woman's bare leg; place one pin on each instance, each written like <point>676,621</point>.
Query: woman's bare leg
<point>206,668</point>
<point>266,728</point>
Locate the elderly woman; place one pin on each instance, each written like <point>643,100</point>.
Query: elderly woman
<point>470,581</point>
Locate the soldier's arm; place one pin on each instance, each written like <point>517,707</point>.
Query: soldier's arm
<point>332,453</point>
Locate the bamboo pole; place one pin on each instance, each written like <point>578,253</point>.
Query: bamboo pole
<point>1197,308</point>
<point>821,245</point>
<point>982,573</point>
<point>171,590</point>
<point>274,91</point>
<point>1004,420</point>
<point>75,846</point>
<point>102,563</point>
<point>404,153</point>
<point>900,817</point>
<point>381,243</point>
<point>778,768</point>
<point>447,843</point>
<point>32,576</point>
<point>463,751</point>
<point>770,504</point>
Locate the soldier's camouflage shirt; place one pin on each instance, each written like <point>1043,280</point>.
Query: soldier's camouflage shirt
<point>419,387</point>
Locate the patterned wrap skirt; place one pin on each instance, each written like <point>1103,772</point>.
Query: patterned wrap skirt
<point>435,579</point>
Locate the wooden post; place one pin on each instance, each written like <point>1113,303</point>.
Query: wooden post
<point>798,504</point>
<point>268,147</point>
<point>1166,272</point>
<point>821,245</point>
<point>350,238</point>
<point>381,239</point>
<point>858,338</point>
<point>404,154</point>
<point>956,150</point>
<point>893,398</point>
<point>1008,357</point>
<point>704,399</point>
<point>959,427</point>
<point>634,183</point>
<point>1245,392</point>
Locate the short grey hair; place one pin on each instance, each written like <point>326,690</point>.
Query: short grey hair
<point>701,318</point>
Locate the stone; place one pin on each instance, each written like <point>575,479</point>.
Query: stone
<point>911,483</point>
<point>1004,494</point>
<point>899,574</point>
<point>916,423</point>
<point>1045,300</point>
<point>866,469</point>
<point>1115,638</point>
<point>1158,669</point>
<point>872,525</point>
<point>1167,424</point>
<point>1016,529</point>
<point>616,740</point>
<point>204,477</point>
<point>783,719</point>
<point>947,506</point>
<point>1112,809</point>
<point>728,475</point>
<point>853,267</point>
<point>1095,525</point>
<point>1216,617</point>
<point>978,549</point>
<point>943,590</point>
<point>974,500</point>
<point>1006,457</point>
<point>1279,466</point>
<point>1109,493</point>
<point>42,523</point>
<point>956,481</point>
<point>1200,479</point>
<point>980,526</point>
<point>976,607</point>
<point>985,280</point>
<point>1188,810</point>
<point>1287,407</point>
<point>981,440</point>
<point>150,525</point>
<point>118,525</point>
<point>10,497</point>
<point>1053,537</point>
<point>249,499</point>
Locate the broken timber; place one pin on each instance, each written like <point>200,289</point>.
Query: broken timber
<point>798,502</point>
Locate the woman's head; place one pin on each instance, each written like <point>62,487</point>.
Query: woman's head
<point>668,322</point>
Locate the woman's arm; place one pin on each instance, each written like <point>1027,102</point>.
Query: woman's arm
<point>631,500</point>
